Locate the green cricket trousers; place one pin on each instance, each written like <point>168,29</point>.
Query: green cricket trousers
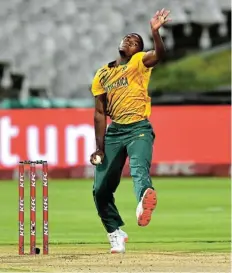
<point>135,141</point>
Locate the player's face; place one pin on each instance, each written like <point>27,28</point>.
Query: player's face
<point>130,45</point>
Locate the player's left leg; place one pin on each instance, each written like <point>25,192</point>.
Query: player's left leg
<point>106,180</point>
<point>139,150</point>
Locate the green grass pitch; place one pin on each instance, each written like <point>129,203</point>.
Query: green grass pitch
<point>193,214</point>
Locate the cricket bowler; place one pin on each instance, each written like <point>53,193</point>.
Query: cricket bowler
<point>120,91</point>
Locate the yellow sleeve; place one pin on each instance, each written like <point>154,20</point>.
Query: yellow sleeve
<point>137,60</point>
<point>97,88</point>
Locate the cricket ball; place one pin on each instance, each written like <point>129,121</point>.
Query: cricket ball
<point>97,160</point>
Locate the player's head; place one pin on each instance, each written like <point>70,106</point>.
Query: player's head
<point>131,44</point>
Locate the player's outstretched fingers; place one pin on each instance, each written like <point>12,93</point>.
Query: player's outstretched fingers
<point>162,12</point>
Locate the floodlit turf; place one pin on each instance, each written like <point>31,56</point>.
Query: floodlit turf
<point>193,214</point>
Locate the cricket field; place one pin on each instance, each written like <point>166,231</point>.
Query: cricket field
<point>189,231</point>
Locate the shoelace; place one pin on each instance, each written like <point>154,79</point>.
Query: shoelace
<point>114,240</point>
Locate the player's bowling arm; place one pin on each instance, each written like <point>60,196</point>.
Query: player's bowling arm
<point>160,18</point>
<point>100,121</point>
<point>152,57</point>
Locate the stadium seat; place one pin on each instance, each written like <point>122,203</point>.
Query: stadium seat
<point>59,44</point>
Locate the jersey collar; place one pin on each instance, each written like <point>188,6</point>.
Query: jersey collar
<point>112,64</point>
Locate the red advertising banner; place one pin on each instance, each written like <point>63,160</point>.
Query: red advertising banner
<point>65,137</point>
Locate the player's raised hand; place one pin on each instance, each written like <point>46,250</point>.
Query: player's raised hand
<point>159,19</point>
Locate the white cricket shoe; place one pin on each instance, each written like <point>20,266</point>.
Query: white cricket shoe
<point>124,235</point>
<point>117,242</point>
<point>145,207</point>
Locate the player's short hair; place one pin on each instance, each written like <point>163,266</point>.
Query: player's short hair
<point>140,39</point>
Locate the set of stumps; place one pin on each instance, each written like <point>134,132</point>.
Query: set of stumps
<point>33,180</point>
